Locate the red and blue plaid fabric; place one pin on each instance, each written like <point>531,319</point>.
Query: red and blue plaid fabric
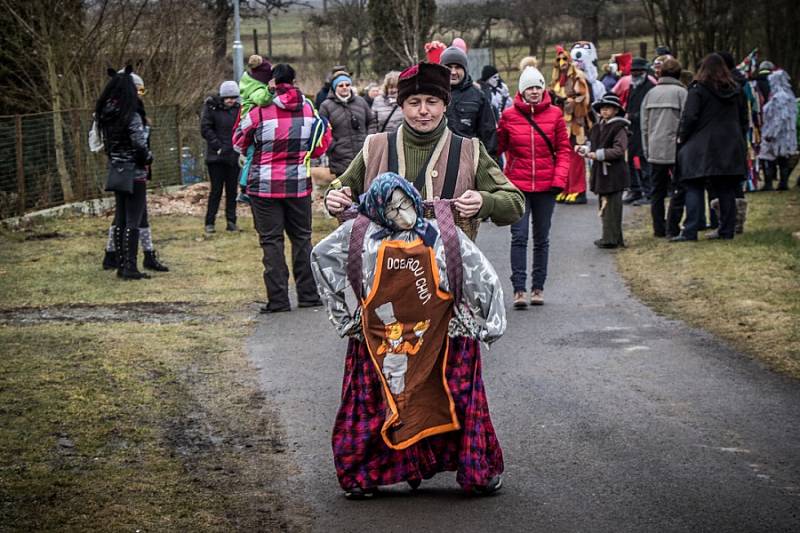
<point>363,460</point>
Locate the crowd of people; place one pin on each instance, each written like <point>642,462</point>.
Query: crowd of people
<point>419,161</point>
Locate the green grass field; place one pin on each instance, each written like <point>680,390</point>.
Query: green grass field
<point>130,405</point>
<point>746,290</point>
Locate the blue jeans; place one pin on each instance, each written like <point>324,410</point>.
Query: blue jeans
<point>538,210</point>
<point>695,207</point>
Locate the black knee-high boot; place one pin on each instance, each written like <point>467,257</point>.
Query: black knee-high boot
<point>119,249</point>
<point>131,245</point>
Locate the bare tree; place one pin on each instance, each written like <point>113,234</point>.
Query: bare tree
<point>61,45</point>
<point>399,30</point>
<point>531,19</point>
<point>474,19</point>
<point>348,23</point>
<point>221,11</point>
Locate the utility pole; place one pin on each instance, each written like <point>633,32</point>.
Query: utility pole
<point>238,59</point>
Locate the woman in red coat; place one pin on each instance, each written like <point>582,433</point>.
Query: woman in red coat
<point>533,138</point>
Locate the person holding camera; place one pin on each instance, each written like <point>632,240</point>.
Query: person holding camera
<point>351,120</point>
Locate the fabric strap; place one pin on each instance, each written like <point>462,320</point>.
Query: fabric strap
<point>386,122</point>
<point>354,254</point>
<point>541,133</point>
<point>452,247</point>
<point>451,173</point>
<point>393,164</point>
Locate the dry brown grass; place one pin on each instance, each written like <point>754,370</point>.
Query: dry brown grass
<point>747,290</point>
<point>124,425</point>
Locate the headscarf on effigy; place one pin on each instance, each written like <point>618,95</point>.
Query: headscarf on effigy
<point>374,202</point>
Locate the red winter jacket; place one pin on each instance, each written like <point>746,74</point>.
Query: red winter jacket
<point>517,139</point>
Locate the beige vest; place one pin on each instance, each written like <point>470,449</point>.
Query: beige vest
<point>376,159</point>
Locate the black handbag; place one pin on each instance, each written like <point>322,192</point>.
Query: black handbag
<point>120,177</point>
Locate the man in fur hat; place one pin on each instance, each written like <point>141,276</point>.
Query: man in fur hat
<point>425,152</point>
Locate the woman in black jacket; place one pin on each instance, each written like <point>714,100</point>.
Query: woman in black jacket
<point>216,126</point>
<point>125,143</point>
<point>711,146</point>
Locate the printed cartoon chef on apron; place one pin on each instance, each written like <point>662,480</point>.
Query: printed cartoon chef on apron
<point>395,349</point>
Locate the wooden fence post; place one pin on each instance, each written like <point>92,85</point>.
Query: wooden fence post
<point>180,145</point>
<point>77,147</point>
<point>21,203</point>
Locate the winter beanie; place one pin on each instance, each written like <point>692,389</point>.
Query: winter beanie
<point>531,77</point>
<point>459,43</point>
<point>229,89</point>
<point>260,68</point>
<point>341,77</point>
<point>487,72</point>
<point>454,56</point>
<point>424,78</point>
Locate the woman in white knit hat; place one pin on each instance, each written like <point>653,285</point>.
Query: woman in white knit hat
<point>533,137</point>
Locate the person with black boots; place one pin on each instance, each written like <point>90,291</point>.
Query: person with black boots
<point>125,142</point>
<point>216,126</point>
<point>660,116</point>
<point>637,164</point>
<point>151,259</point>
<point>711,146</point>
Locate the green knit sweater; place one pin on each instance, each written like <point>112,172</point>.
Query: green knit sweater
<point>502,201</point>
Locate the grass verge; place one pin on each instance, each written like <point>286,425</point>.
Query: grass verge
<point>113,421</point>
<point>746,290</point>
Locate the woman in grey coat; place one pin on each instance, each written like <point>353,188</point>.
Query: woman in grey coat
<point>388,114</point>
<point>351,120</point>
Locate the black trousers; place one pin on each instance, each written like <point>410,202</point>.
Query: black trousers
<point>640,178</point>
<point>677,202</point>
<point>771,172</point>
<point>661,180</point>
<point>129,209</point>
<point>143,224</point>
<point>273,216</point>
<point>223,176</point>
<point>725,188</point>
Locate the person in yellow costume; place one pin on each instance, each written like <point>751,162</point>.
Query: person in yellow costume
<point>569,90</point>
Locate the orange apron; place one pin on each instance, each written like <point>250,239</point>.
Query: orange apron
<point>405,322</point>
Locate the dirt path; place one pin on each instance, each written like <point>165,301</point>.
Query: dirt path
<point>611,418</point>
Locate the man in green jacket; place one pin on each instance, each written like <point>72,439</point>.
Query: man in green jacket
<point>438,163</point>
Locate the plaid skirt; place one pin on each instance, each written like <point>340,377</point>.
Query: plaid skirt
<point>363,460</point>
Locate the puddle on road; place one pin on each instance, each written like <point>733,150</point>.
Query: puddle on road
<point>629,339</point>
<point>147,312</point>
